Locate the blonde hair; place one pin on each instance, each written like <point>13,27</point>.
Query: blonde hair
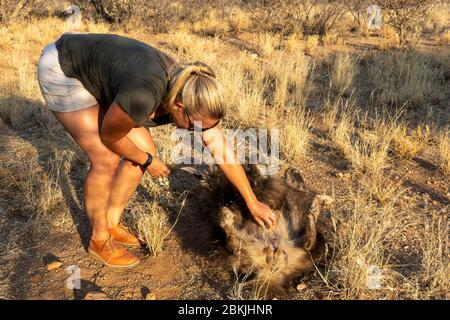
<point>196,86</point>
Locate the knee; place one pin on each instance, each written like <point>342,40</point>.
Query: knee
<point>104,161</point>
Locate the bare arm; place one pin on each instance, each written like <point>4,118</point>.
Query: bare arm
<point>115,127</point>
<point>233,170</point>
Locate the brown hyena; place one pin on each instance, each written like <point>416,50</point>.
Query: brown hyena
<point>287,250</point>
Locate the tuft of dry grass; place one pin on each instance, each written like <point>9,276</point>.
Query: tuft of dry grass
<point>311,44</point>
<point>382,188</point>
<point>438,18</point>
<point>244,88</point>
<point>293,43</point>
<point>211,25</point>
<point>399,78</point>
<point>248,286</point>
<point>443,142</point>
<point>343,71</point>
<point>266,44</point>
<point>365,149</point>
<point>153,226</point>
<point>409,143</point>
<point>332,38</point>
<point>390,38</point>
<point>444,38</point>
<point>239,20</point>
<point>31,186</point>
<point>296,136</point>
<point>289,79</point>
<point>151,221</point>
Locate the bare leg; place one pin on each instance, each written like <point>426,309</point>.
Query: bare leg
<point>83,127</point>
<point>128,177</point>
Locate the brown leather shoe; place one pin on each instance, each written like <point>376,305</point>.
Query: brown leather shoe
<point>112,254</point>
<point>123,235</point>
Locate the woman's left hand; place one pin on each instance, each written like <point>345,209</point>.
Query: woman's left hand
<point>263,215</point>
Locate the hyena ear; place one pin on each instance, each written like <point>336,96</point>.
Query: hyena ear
<point>253,170</point>
<point>294,179</point>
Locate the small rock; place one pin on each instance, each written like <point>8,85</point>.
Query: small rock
<point>340,175</point>
<point>150,296</point>
<point>301,286</point>
<point>96,295</point>
<point>54,265</point>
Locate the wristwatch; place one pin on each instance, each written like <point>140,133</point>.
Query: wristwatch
<point>148,162</point>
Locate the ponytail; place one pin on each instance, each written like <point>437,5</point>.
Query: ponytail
<point>196,86</point>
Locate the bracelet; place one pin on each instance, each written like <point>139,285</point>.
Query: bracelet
<point>147,162</point>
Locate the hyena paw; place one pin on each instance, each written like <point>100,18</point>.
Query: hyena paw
<point>227,217</point>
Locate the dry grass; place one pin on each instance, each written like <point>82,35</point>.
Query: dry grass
<point>444,38</point>
<point>266,44</point>
<point>438,18</point>
<point>296,136</point>
<point>435,250</point>
<point>293,43</point>
<point>331,39</point>
<point>311,44</point>
<point>400,78</point>
<point>390,38</point>
<point>211,25</point>
<point>443,140</point>
<point>153,226</point>
<point>239,20</point>
<point>33,183</point>
<point>408,143</point>
<point>363,226</point>
<point>246,286</point>
<point>343,70</point>
<point>289,79</point>
<point>366,149</point>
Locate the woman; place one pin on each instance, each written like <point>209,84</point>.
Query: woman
<point>106,90</point>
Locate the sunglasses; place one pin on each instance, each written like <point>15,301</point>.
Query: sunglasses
<point>192,127</point>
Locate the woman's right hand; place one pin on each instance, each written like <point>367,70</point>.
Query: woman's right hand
<point>157,168</point>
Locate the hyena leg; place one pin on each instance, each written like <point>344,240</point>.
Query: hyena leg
<point>310,233</point>
<point>318,204</point>
<point>228,225</point>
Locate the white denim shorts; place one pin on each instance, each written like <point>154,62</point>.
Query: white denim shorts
<point>61,93</point>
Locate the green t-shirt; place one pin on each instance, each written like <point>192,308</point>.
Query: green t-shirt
<point>117,68</point>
